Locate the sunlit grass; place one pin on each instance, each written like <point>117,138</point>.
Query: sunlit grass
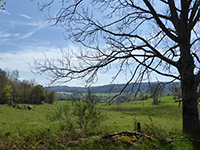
<point>17,121</point>
<point>165,114</point>
<point>26,125</point>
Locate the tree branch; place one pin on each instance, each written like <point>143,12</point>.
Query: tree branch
<point>194,11</point>
<point>174,16</point>
<point>159,22</point>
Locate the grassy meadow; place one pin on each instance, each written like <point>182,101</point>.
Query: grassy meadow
<point>25,129</point>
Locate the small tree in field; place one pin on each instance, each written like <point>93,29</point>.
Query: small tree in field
<point>38,94</point>
<point>51,97</point>
<point>88,116</point>
<point>176,92</point>
<point>83,115</point>
<point>156,91</point>
<point>137,37</point>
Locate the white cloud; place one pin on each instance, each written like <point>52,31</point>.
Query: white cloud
<point>26,35</point>
<point>4,34</point>
<point>38,25</point>
<point>25,16</point>
<point>24,58</point>
<point>20,59</point>
<point>5,12</point>
<point>16,35</point>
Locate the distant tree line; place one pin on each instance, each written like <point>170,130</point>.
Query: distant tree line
<point>26,91</point>
<point>111,88</point>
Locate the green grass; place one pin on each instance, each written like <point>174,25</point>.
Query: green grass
<point>19,120</point>
<point>165,114</point>
<point>27,126</point>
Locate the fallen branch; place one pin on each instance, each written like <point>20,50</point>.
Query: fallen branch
<point>128,133</point>
<point>190,139</point>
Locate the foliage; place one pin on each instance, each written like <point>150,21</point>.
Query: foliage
<point>16,91</point>
<point>3,83</point>
<point>21,89</point>
<point>38,94</point>
<point>143,97</point>
<point>51,97</point>
<point>25,91</point>
<point>7,92</point>
<point>88,117</point>
<point>85,115</point>
<point>25,87</point>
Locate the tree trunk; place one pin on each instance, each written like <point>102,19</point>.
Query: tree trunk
<point>191,123</point>
<point>186,67</point>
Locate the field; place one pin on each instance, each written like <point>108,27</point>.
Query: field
<point>25,129</point>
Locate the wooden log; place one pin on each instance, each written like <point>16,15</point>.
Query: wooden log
<point>128,133</point>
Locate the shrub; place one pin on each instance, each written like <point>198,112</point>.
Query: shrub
<point>83,115</point>
<point>88,117</point>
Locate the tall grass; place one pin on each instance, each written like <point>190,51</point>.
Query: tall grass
<point>33,128</point>
<point>165,114</point>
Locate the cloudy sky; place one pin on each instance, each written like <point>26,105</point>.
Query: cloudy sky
<point>25,34</point>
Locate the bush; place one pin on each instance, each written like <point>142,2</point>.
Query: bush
<point>83,115</point>
<point>88,117</point>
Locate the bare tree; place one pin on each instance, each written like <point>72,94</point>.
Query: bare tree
<point>175,89</point>
<point>137,37</point>
<point>156,91</point>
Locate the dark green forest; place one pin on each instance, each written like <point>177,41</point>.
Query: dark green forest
<point>13,90</point>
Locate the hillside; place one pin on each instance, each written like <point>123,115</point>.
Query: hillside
<point>111,88</point>
<point>40,129</point>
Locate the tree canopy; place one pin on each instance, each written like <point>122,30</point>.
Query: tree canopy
<point>122,34</point>
<point>137,37</point>
<point>25,91</point>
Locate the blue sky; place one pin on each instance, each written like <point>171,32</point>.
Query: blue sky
<point>25,33</point>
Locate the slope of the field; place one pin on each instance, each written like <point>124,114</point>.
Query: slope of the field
<point>28,126</point>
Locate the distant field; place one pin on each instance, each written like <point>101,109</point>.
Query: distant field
<point>166,114</point>
<point>102,94</point>
<point>19,124</point>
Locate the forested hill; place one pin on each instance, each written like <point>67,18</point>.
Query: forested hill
<point>111,88</point>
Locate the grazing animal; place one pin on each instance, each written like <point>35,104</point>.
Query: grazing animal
<point>29,107</point>
<point>16,106</point>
